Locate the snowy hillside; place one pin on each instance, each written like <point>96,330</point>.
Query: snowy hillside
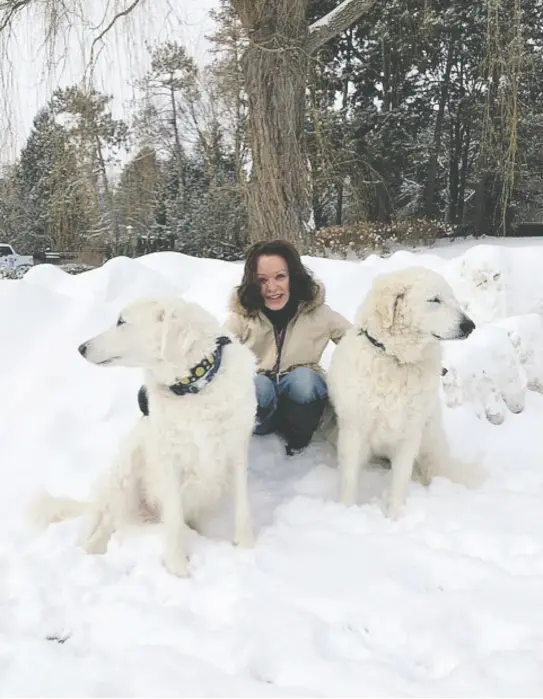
<point>331,602</point>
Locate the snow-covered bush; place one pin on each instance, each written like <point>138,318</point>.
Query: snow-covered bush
<point>484,370</point>
<point>526,335</point>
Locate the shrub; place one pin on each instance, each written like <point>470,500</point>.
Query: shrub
<point>366,237</point>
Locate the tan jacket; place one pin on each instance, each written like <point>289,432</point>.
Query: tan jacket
<point>306,336</point>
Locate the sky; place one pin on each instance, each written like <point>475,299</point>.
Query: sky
<point>27,77</point>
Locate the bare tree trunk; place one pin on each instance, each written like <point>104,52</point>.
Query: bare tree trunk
<point>431,181</point>
<point>455,153</point>
<point>339,204</point>
<point>275,72</point>
<point>276,67</point>
<point>180,193</point>
<point>388,93</point>
<point>340,187</point>
<point>464,173</point>
<point>108,193</point>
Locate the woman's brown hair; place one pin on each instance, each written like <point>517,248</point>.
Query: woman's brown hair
<point>302,285</point>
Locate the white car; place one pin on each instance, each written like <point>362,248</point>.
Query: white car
<point>10,259</point>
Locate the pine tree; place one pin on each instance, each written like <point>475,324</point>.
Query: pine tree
<point>48,188</point>
<point>97,137</point>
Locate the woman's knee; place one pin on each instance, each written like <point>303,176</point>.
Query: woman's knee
<point>304,385</point>
<point>265,391</point>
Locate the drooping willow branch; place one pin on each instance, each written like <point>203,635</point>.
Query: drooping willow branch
<point>113,21</point>
<point>11,9</point>
<point>503,66</point>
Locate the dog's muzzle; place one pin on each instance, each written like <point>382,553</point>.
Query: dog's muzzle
<point>83,349</point>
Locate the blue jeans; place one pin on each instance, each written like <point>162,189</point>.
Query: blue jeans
<point>301,385</point>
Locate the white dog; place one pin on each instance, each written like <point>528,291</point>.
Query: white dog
<point>176,461</point>
<point>384,381</point>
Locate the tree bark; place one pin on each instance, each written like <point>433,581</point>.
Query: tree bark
<point>276,69</point>
<point>340,187</point>
<point>464,173</point>
<point>114,221</point>
<point>455,150</point>
<point>275,66</point>
<point>179,165</point>
<point>431,181</point>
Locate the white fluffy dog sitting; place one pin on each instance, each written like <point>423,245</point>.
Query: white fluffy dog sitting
<point>384,381</point>
<point>177,460</point>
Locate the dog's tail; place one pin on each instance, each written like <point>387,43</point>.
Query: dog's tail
<point>47,509</point>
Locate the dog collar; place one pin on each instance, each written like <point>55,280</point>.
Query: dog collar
<point>201,374</point>
<point>380,346</point>
<point>373,341</point>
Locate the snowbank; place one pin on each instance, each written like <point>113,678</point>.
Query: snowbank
<point>331,602</point>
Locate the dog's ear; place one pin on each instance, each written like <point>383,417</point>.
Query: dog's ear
<point>389,302</point>
<point>178,337</point>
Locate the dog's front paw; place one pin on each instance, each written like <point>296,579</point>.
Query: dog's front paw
<point>95,545</point>
<point>393,508</point>
<point>423,475</point>
<point>176,564</point>
<point>347,498</point>
<point>245,539</point>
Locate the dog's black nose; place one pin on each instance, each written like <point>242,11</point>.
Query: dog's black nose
<point>467,326</point>
<point>83,349</point>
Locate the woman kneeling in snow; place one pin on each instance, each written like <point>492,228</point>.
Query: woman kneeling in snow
<point>279,312</point>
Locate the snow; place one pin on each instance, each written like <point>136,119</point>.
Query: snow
<point>332,16</point>
<point>332,601</point>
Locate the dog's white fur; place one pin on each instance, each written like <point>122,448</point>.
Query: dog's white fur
<point>175,463</point>
<point>387,400</point>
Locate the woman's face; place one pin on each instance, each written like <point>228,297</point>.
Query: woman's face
<point>272,275</point>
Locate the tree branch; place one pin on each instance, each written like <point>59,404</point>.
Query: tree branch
<point>9,10</point>
<point>118,15</point>
<point>336,21</point>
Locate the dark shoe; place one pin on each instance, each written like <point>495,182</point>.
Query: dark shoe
<point>297,422</point>
<point>291,451</point>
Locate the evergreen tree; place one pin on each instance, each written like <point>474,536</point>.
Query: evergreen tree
<point>97,137</point>
<point>48,192</point>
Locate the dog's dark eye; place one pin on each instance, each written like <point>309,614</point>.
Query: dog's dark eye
<point>436,299</point>
<point>120,321</point>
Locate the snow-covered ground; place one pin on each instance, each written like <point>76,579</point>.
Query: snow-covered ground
<point>447,601</point>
